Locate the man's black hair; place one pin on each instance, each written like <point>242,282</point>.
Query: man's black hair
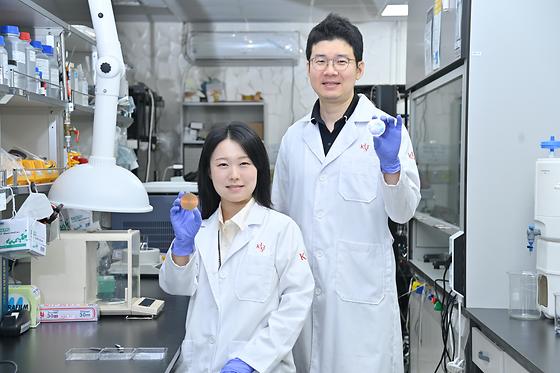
<point>336,27</point>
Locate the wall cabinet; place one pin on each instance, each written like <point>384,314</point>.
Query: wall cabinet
<point>211,114</point>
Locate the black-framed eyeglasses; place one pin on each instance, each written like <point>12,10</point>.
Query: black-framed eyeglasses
<point>320,63</point>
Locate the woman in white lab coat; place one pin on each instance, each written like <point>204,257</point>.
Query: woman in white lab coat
<point>244,266</point>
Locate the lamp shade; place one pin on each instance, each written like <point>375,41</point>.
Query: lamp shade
<point>100,186</point>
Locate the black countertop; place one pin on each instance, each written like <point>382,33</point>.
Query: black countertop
<point>43,349</point>
<point>533,344</point>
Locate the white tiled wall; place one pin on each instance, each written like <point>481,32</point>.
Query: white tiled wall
<point>156,54</point>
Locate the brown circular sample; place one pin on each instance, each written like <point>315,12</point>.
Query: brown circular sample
<point>189,201</point>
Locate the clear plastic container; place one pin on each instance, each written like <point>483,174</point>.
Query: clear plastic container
<point>54,82</point>
<point>29,61</point>
<point>3,62</point>
<point>149,353</point>
<point>110,353</point>
<point>16,51</point>
<point>82,86</point>
<point>42,64</point>
<point>81,354</point>
<point>523,296</point>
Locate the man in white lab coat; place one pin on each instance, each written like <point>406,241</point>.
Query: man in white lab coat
<point>340,184</point>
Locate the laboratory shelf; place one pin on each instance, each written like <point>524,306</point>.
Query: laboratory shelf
<point>196,142</point>
<point>78,42</point>
<point>427,272</point>
<point>225,103</point>
<point>24,189</point>
<point>86,112</point>
<point>439,224</point>
<point>83,110</point>
<point>11,97</point>
<point>27,14</point>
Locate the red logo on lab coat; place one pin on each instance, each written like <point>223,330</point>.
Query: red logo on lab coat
<point>411,155</point>
<point>364,147</point>
<point>260,247</point>
<point>302,256</point>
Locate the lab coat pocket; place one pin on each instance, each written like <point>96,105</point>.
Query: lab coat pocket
<point>253,281</point>
<point>357,181</point>
<point>360,272</point>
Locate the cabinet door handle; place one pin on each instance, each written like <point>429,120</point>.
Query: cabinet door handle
<point>483,357</point>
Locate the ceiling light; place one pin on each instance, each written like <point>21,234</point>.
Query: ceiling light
<point>395,10</point>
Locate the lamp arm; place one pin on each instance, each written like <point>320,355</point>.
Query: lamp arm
<point>109,70</point>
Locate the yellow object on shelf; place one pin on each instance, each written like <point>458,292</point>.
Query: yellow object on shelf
<point>36,170</point>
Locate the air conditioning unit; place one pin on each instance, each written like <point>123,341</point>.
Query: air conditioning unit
<point>243,47</point>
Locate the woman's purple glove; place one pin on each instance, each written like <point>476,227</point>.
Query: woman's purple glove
<point>185,225</point>
<point>236,366</point>
<point>387,146</point>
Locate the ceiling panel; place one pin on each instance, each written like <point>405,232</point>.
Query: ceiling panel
<point>203,11</point>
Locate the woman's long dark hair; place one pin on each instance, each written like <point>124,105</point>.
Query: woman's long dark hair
<point>251,143</point>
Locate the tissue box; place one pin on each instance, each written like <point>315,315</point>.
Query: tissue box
<point>25,297</point>
<point>20,237</point>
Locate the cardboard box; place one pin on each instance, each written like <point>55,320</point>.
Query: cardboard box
<point>21,237</point>
<point>25,297</point>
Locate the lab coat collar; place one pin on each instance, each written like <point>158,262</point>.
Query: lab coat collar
<point>348,135</point>
<point>362,112</point>
<point>209,235</point>
<point>255,218</point>
<point>312,138</point>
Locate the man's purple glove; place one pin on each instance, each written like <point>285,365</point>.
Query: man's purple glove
<point>185,225</point>
<point>236,366</point>
<point>387,146</point>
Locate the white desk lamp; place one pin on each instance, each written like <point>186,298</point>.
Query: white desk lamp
<point>101,185</point>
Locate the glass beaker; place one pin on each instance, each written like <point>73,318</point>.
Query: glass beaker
<point>557,313</point>
<point>523,296</point>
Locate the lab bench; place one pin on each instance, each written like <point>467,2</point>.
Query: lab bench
<point>501,344</point>
<point>43,349</point>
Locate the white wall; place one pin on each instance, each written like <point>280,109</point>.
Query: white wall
<point>156,54</point>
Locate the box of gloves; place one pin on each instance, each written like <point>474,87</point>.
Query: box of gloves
<point>20,237</point>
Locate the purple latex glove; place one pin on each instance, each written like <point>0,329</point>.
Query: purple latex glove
<point>236,366</point>
<point>185,225</point>
<point>387,146</point>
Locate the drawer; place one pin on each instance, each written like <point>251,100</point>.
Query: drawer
<point>485,354</point>
<point>512,366</point>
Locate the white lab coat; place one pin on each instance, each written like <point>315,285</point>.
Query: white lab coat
<point>341,203</point>
<point>254,306</point>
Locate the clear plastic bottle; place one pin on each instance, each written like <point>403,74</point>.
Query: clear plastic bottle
<point>37,81</point>
<point>41,60</point>
<point>3,62</point>
<point>12,72</point>
<point>29,60</point>
<point>42,85</point>
<point>73,83</point>
<point>82,86</point>
<point>16,51</point>
<point>54,82</point>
